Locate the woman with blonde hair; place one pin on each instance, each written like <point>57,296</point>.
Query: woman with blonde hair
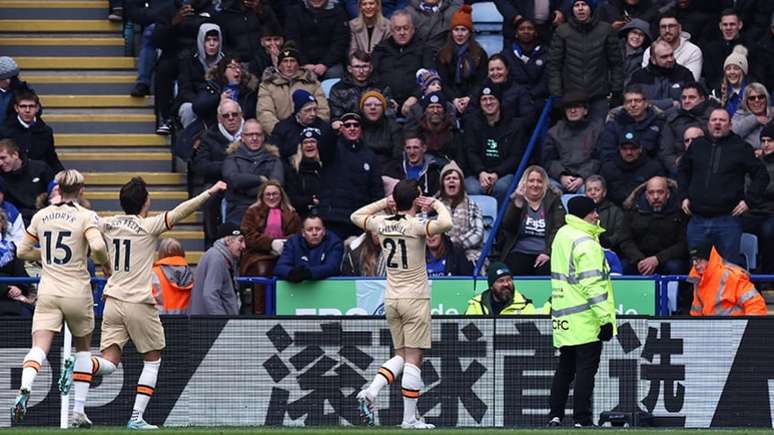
<point>534,215</point>
<point>754,114</point>
<point>302,172</point>
<point>369,28</point>
<point>267,224</point>
<point>172,278</point>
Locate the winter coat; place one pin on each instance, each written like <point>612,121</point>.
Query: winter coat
<point>244,171</point>
<point>16,86</point>
<point>762,59</point>
<point>432,28</point>
<point>275,96</point>
<point>611,218</point>
<point>481,305</point>
<point>358,34</point>
<point>467,85</point>
<point>494,148</point>
<point>622,177</point>
<point>396,67</point>
<point>384,137</point>
<point>677,120</point>
<point>35,141</point>
<point>429,175</point>
<point>323,260</point>
<point>321,34</point>
<point>205,105</point>
<point>516,102</point>
<point>180,39</point>
<point>712,175</point>
<point>455,263</point>
<point>756,15</point>
<point>554,215</point>
<point>747,126</point>
<point>686,54</point>
<point>715,53</point>
<point>662,86</point>
<point>571,149</point>
<point>351,263</point>
<point>303,185</point>
<point>350,179</point>
<point>632,63</point>
<point>528,69</point>
<point>648,131</point>
<point>511,9</point>
<point>444,143</point>
<point>258,244</point>
<point>619,10</point>
<point>585,57</point>
<point>193,67</point>
<point>287,134</point>
<point>345,95</point>
<point>766,207</point>
<point>23,186</point>
<point>214,290</point>
<point>655,233</point>
<point>242,28</point>
<point>209,156</point>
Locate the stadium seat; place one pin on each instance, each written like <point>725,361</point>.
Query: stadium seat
<point>488,205</point>
<point>486,17</point>
<point>492,44</point>
<point>327,84</point>
<point>566,198</point>
<point>748,247</point>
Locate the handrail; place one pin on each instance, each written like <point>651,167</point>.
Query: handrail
<point>536,135</point>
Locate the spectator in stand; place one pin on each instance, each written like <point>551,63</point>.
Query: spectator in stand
<point>570,148</point>
<point>381,133</point>
<point>14,230</point>
<point>272,40</point>
<point>9,86</point>
<point>663,79</point>
<point>277,87</point>
<point>760,220</point>
<point>445,259</point>
<point>302,172</point>
<point>350,178</point>
<point>388,6</point>
<point>227,81</point>
<point>249,164</point>
<point>545,15</point>
<point>34,138</point>
<point>637,116</point>
<point>267,224</point>
<point>527,59</point>
<point>712,185</point>
<point>432,19</point>
<point>461,62</point>
<point>368,28</point>
<point>24,178</point>
<point>721,288</point>
<point>363,256</point>
<point>315,254</point>
<point>414,165</point>
<point>616,236</point>
<point>286,132</point>
<point>242,23</point>
<point>319,28</point>
<point>428,82</point>
<point>346,94</point>
<point>208,160</point>
<point>686,53</point>
<point>755,113</point>
<point>145,15</point>
<point>636,38</point>
<point>172,279</point>
<point>495,144</point>
<point>439,128</point>
<point>501,298</point>
<point>214,290</point>
<point>468,230</point>
<point>696,16</point>
<point>194,68</point>
<point>585,55</point>
<point>729,93</point>
<point>717,50</point>
<point>534,215</point>
<point>756,15</point>
<point>15,299</point>
<point>397,59</point>
<point>516,97</point>
<point>762,56</point>
<point>694,111</point>
<point>629,168</point>
<point>619,13</point>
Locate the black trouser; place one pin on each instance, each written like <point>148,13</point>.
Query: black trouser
<point>580,363</point>
<point>166,74</point>
<point>523,265</point>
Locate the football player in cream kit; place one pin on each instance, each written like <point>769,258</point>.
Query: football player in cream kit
<point>65,232</point>
<point>407,296</point>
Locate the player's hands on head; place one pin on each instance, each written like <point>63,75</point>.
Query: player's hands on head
<point>425,202</point>
<point>218,187</point>
<point>106,270</point>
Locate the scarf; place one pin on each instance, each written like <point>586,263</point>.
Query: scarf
<point>463,66</point>
<point>426,8</point>
<point>520,54</point>
<point>228,135</point>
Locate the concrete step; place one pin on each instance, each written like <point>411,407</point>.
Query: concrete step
<point>53,9</point>
<point>80,101</point>
<point>120,178</point>
<point>54,4</point>
<point>113,122</point>
<point>160,200</point>
<point>193,219</point>
<point>81,83</point>
<point>117,162</point>
<point>193,257</point>
<point>191,240</point>
<point>109,140</point>
<point>61,46</point>
<point>74,62</point>
<point>57,26</point>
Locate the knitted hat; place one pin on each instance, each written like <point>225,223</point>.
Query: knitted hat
<point>463,18</point>
<point>8,68</point>
<point>580,206</point>
<point>496,271</point>
<point>629,138</point>
<point>432,98</point>
<point>592,3</point>
<point>311,133</point>
<point>372,93</point>
<point>300,99</point>
<point>767,131</point>
<point>572,98</point>
<point>228,229</point>
<point>738,57</point>
<point>492,89</point>
<point>271,28</point>
<point>425,77</point>
<point>288,50</point>
<point>451,166</point>
<point>701,249</point>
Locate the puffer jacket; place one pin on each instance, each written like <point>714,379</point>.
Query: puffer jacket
<point>552,204</point>
<point>747,126</point>
<point>571,149</point>
<point>323,260</point>
<point>648,131</point>
<point>244,171</point>
<point>585,57</point>
<point>275,96</point>
<point>662,86</point>
<point>209,156</point>
<point>687,54</point>
<point>623,177</point>
<point>433,28</point>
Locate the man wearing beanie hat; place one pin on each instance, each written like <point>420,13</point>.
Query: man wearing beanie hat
<point>582,309</point>
<point>432,19</point>
<point>721,288</point>
<point>501,298</point>
<point>214,291</point>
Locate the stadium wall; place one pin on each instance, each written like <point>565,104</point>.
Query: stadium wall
<point>297,371</point>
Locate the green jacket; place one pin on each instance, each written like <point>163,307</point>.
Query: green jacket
<point>481,305</point>
<point>582,293</point>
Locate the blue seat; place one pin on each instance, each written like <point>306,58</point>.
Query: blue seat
<point>492,44</point>
<point>327,84</point>
<point>488,206</point>
<point>748,247</point>
<point>567,196</point>
<point>486,17</point>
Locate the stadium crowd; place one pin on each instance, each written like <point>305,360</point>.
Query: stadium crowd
<point>664,120</point>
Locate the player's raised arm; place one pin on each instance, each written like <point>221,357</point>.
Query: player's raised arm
<point>97,245</point>
<point>444,221</point>
<point>27,250</point>
<point>361,215</point>
<point>184,209</point>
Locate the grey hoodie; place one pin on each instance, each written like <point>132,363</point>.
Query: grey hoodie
<point>206,62</point>
<point>214,283</point>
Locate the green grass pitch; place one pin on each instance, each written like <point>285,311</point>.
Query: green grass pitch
<point>97,430</point>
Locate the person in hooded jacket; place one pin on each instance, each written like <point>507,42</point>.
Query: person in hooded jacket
<point>194,69</point>
<point>172,279</point>
<point>636,37</point>
<point>9,86</point>
<point>228,80</point>
<point>663,79</point>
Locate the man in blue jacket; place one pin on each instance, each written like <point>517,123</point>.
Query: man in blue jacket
<point>314,254</point>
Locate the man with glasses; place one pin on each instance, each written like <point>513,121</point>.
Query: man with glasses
<point>350,177</point>
<point>686,53</point>
<point>345,95</point>
<point>694,111</point>
<point>636,116</point>
<point>33,136</point>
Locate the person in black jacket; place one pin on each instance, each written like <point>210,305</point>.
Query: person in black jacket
<point>321,32</point>
<point>241,22</point>
<point>717,50</point>
<point>711,179</point>
<point>445,259</point>
<point>345,95</point>
<point>10,85</point>
<point>663,79</point>
<point>194,68</point>
<point>286,133</point>
<point>527,59</point>
<point>546,20</point>
<point>34,138</point>
<point>272,40</point>
<point>228,80</point>
<point>25,179</point>
<point>762,56</point>
<point>302,173</point>
<point>629,168</point>
<point>620,12</point>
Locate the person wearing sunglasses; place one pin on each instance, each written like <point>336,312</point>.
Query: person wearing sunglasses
<point>755,113</point>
